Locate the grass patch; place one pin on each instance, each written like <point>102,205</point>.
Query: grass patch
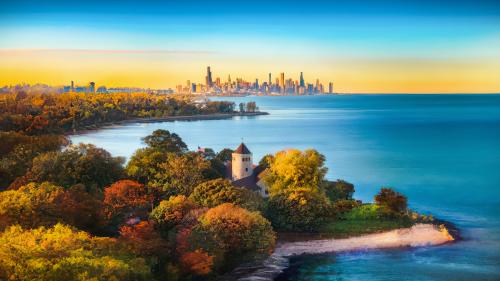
<point>349,228</point>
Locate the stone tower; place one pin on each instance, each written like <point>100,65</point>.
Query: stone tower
<point>242,164</point>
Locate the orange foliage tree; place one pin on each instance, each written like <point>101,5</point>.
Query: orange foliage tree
<point>126,199</point>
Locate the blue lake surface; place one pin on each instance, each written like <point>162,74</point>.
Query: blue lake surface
<point>442,151</point>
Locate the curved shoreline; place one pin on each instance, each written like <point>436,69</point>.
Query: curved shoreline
<point>199,117</point>
<point>277,264</point>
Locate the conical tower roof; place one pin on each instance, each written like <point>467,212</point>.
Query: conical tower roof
<point>242,149</point>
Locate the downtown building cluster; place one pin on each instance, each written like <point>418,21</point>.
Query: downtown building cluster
<point>280,86</point>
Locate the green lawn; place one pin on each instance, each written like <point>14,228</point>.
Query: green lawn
<point>348,228</point>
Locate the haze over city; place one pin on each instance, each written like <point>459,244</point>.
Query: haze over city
<point>364,47</point>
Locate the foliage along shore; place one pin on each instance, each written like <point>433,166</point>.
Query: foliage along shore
<point>199,117</point>
<point>38,114</point>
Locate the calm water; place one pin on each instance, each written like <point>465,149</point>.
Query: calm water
<point>442,151</point>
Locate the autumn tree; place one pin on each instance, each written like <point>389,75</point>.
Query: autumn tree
<point>296,169</point>
<point>145,240</point>
<point>126,199</point>
<point>60,253</point>
<point>233,235</point>
<point>78,164</point>
<point>46,204</point>
<point>394,202</point>
<point>171,213</point>
<point>215,192</point>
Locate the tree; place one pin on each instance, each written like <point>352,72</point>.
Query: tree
<point>393,201</point>
<point>233,235</point>
<point>144,164</point>
<point>126,199</point>
<point>197,262</point>
<point>45,204</point>
<point>165,141</point>
<point>242,107</point>
<point>63,254</point>
<point>171,213</point>
<point>298,209</point>
<point>339,190</point>
<point>31,206</point>
<point>225,155</point>
<point>144,240</point>
<point>296,169</point>
<point>266,161</point>
<point>215,192</point>
<point>83,163</point>
<point>251,106</point>
<point>179,174</point>
<point>18,150</point>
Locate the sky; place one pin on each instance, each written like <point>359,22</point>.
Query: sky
<point>361,46</point>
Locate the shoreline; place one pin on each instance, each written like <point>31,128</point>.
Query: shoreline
<point>277,266</point>
<point>199,117</point>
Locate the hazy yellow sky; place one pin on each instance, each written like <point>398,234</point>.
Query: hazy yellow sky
<point>162,69</point>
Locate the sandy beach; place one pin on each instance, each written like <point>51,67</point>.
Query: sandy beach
<point>418,235</point>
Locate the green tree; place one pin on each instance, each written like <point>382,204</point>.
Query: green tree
<point>298,209</point>
<point>225,155</point>
<point>215,192</point>
<point>83,163</point>
<point>165,141</point>
<point>266,161</point>
<point>144,165</point>
<point>63,254</point>
<point>339,190</point>
<point>180,174</point>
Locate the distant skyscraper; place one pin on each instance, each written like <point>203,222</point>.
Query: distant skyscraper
<point>229,79</point>
<point>282,82</point>
<point>92,87</point>
<point>72,86</point>
<point>302,83</point>
<point>270,81</point>
<point>209,77</point>
<point>330,88</point>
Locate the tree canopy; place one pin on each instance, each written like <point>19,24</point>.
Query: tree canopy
<point>165,141</point>
<point>60,253</point>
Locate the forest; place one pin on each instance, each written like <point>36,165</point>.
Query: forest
<point>37,113</point>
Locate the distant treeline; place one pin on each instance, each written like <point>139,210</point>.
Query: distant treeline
<point>36,114</point>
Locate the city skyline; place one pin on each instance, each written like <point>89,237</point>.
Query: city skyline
<point>283,85</point>
<point>365,46</point>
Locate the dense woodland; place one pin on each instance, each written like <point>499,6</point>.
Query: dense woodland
<point>76,212</point>
<point>35,114</point>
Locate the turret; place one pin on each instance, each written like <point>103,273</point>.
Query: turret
<point>242,164</point>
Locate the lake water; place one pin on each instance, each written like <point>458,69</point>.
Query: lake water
<point>442,151</point>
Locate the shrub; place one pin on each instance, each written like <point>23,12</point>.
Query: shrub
<point>299,209</point>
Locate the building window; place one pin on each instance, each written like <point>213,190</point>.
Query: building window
<point>246,169</point>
